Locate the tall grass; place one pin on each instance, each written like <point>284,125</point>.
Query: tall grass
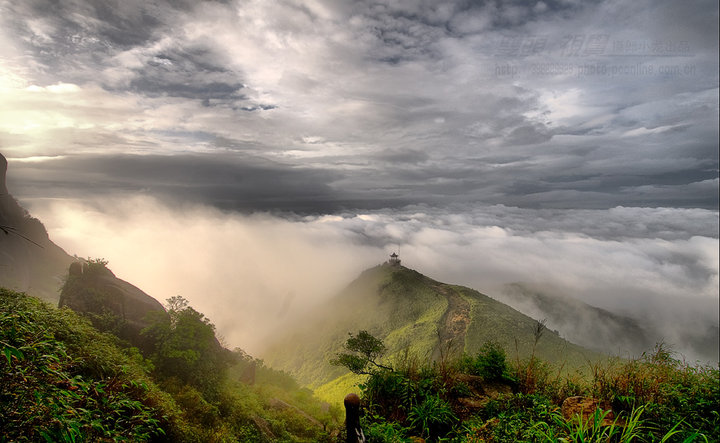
<point>655,398</point>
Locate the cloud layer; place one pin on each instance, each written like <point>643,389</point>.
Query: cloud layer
<point>253,273</point>
<point>250,155</point>
<point>539,104</point>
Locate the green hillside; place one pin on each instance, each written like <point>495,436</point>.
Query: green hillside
<point>417,318</point>
<point>62,380</point>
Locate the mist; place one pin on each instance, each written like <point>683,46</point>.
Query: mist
<point>252,274</point>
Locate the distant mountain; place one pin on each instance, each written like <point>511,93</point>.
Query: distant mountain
<point>589,326</point>
<point>29,261</point>
<point>605,331</point>
<point>416,316</point>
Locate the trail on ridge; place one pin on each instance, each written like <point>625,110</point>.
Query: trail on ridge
<point>453,324</point>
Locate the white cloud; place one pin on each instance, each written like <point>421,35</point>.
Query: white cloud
<point>239,270</point>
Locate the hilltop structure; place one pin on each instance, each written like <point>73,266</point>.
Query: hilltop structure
<point>394,259</point>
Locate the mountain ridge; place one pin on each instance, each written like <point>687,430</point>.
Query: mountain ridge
<point>416,317</point>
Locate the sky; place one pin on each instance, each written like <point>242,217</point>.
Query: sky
<point>254,156</point>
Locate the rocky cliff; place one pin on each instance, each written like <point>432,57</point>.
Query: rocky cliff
<point>112,304</point>
<point>29,261</point>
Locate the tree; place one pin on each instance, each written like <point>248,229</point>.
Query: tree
<point>184,346</point>
<point>365,350</point>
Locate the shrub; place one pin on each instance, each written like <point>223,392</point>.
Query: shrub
<point>671,391</point>
<point>380,431</point>
<point>490,363</point>
<point>184,346</point>
<point>432,417</point>
<point>61,380</point>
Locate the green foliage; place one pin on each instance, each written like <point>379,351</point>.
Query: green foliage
<point>490,363</point>
<point>380,431</point>
<point>511,418</point>
<point>406,309</point>
<point>184,346</point>
<point>61,380</point>
<point>366,350</point>
<point>394,304</point>
<point>656,398</point>
<point>671,391</point>
<point>432,417</point>
<point>97,265</point>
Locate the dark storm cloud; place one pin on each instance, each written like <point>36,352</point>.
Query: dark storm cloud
<point>68,37</point>
<point>192,73</point>
<point>308,86</point>
<point>230,182</point>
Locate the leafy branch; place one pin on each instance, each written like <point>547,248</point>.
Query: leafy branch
<point>365,350</point>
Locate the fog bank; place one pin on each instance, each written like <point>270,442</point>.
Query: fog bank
<point>250,274</point>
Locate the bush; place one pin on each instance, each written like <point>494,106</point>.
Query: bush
<point>380,431</point>
<point>61,380</point>
<point>432,417</point>
<point>490,363</point>
<point>671,391</point>
<point>655,398</point>
<point>184,346</point>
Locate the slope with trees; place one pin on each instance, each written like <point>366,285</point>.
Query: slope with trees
<point>61,379</point>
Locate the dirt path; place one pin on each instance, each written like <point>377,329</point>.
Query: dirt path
<point>453,324</point>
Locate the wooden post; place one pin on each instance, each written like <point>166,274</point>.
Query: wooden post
<point>352,419</point>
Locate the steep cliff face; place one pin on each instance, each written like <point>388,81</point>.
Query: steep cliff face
<point>112,304</point>
<point>29,261</point>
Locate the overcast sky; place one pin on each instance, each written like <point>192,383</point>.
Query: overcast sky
<point>318,105</point>
<point>593,120</point>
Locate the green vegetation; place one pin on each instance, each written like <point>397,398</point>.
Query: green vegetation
<point>62,380</point>
<point>487,398</point>
<point>184,347</point>
<point>490,364</point>
<point>364,351</point>
<point>409,312</point>
<point>396,304</point>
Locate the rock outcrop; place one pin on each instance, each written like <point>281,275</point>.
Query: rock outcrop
<point>3,173</point>
<point>112,304</point>
<point>29,261</point>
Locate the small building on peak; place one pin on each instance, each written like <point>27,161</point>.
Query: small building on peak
<point>394,259</point>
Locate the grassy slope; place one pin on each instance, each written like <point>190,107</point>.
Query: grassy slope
<point>404,309</point>
<point>495,321</point>
<point>62,380</point>
<point>399,307</point>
